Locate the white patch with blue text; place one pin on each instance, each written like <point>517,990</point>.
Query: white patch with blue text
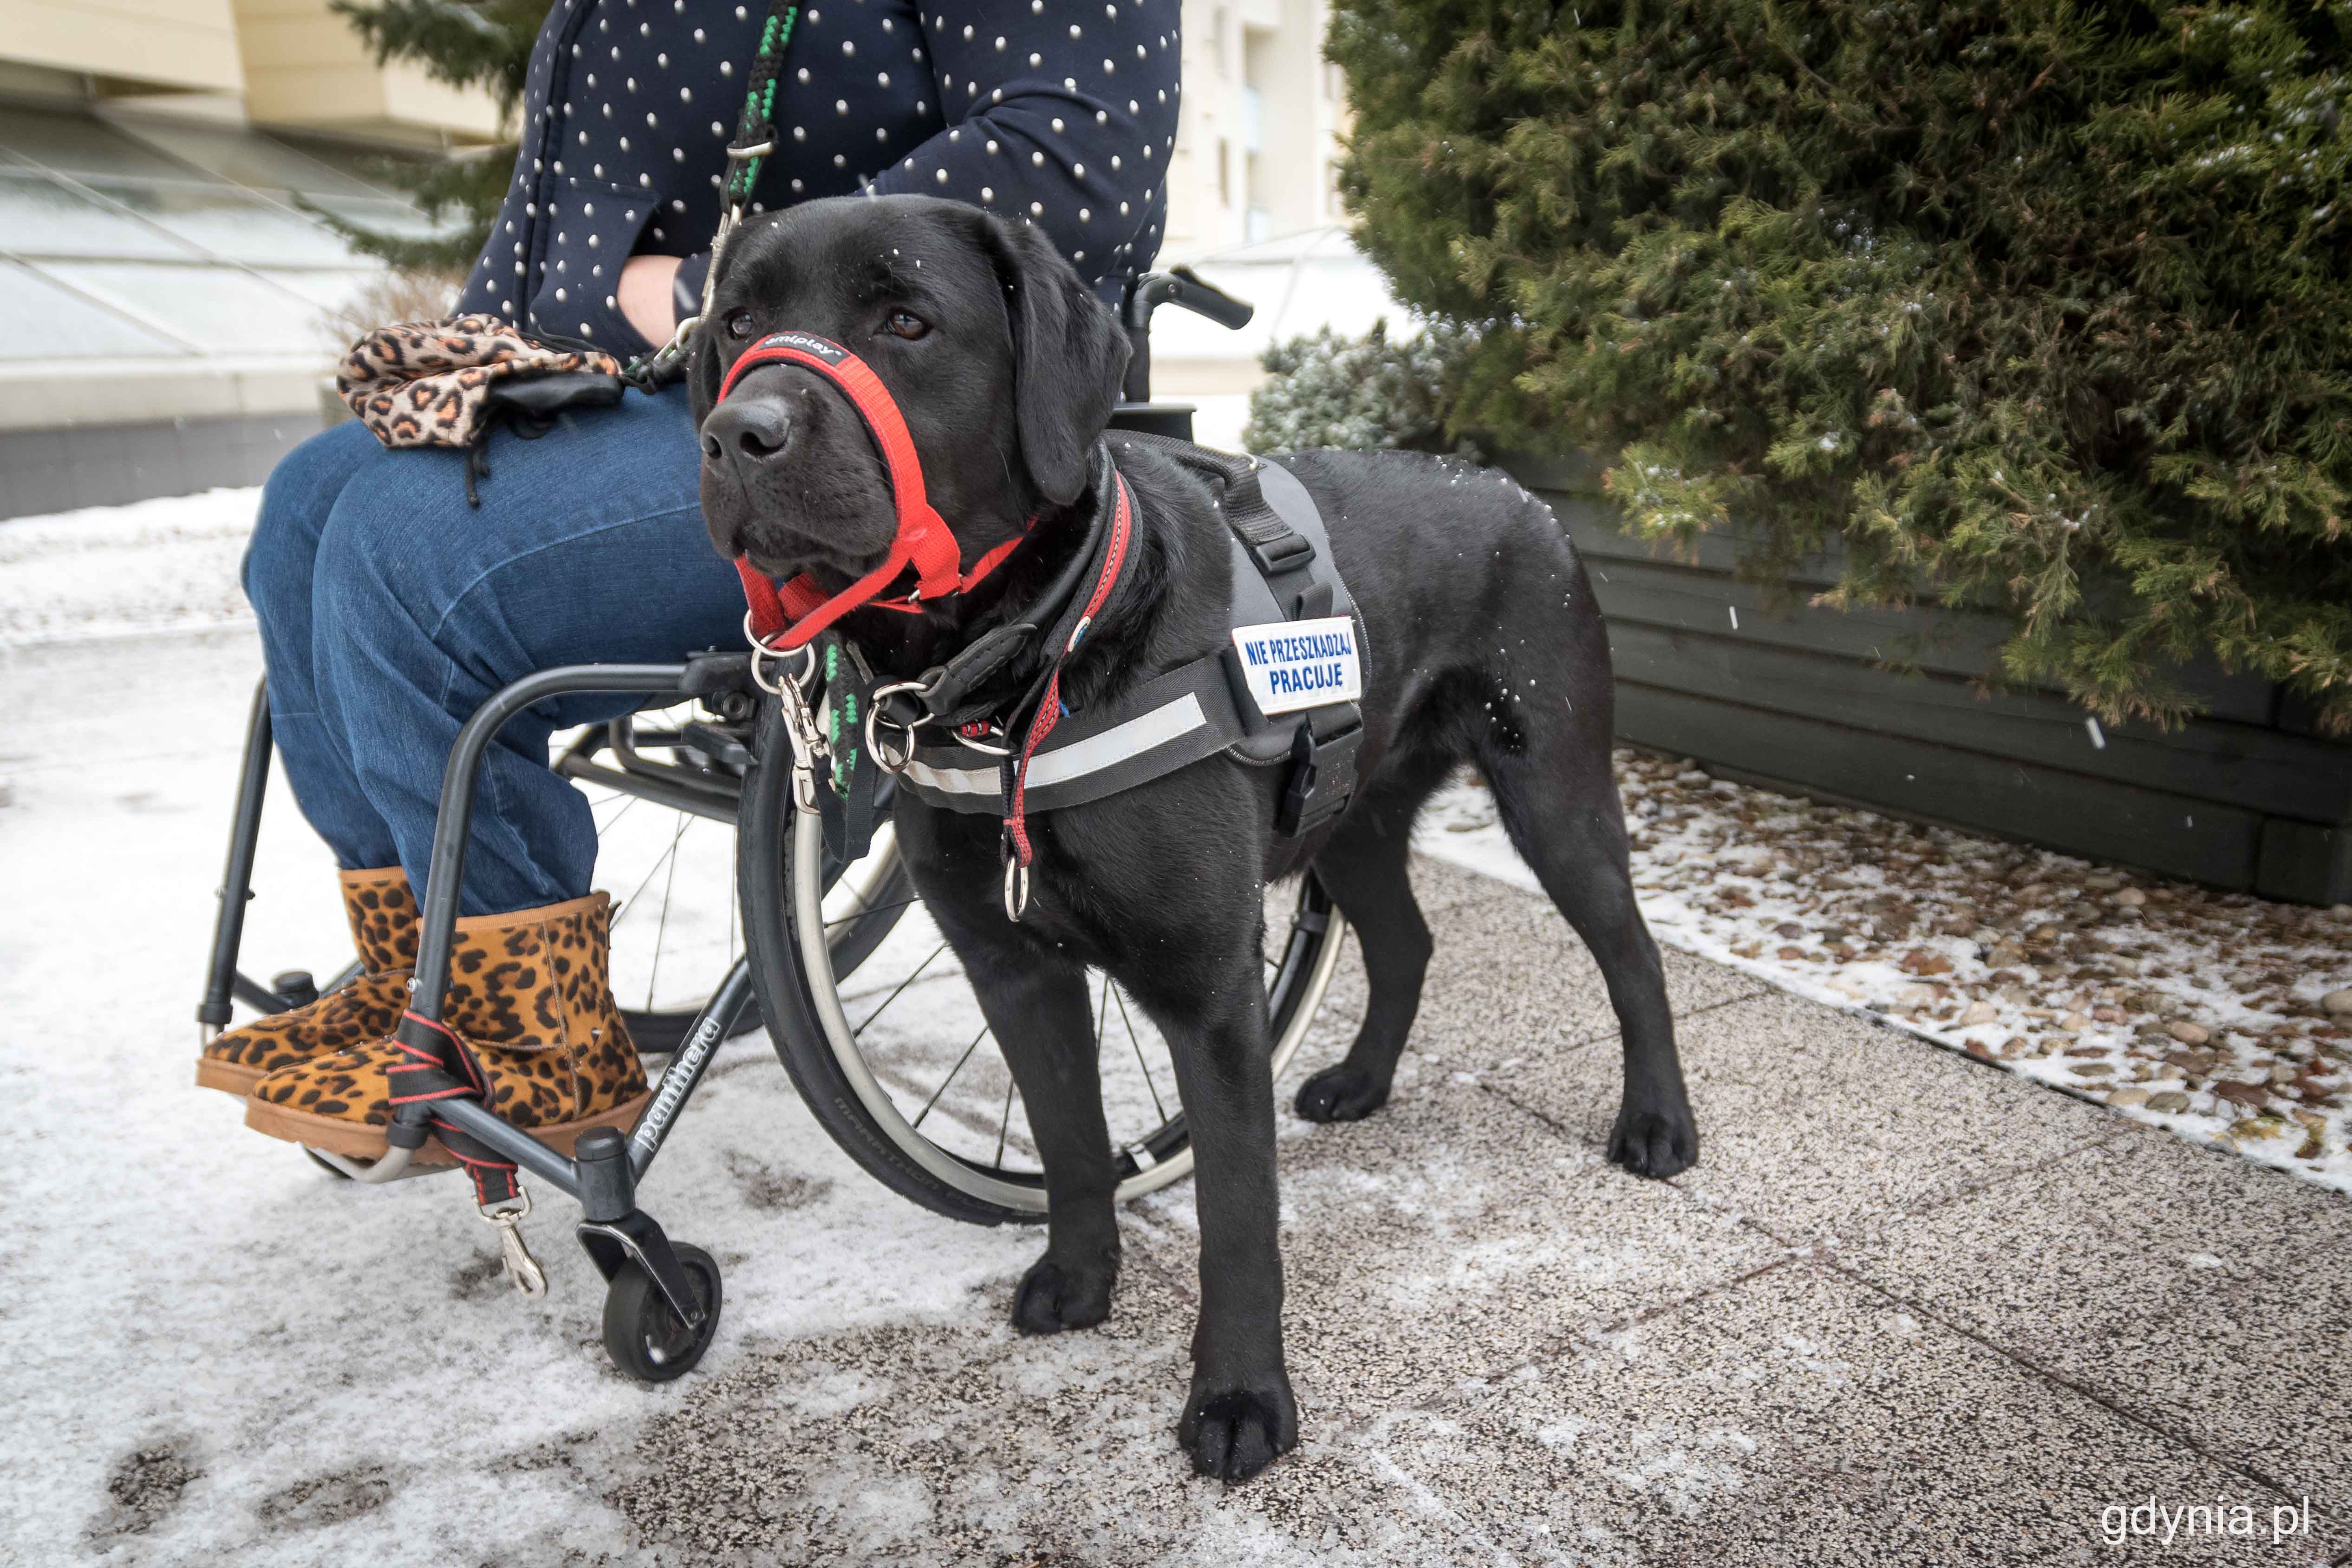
<point>1294,665</point>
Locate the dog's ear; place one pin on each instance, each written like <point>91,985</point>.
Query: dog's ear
<point>1069,355</point>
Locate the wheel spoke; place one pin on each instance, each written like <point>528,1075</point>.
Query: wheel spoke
<point>1004,1125</point>
<point>669,855</point>
<point>902,985</point>
<point>1102,1012</point>
<point>876,909</point>
<point>669,886</point>
<point>1132,1040</point>
<point>950,1077</point>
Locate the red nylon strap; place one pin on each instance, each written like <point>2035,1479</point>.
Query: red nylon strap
<point>1049,708</point>
<point>493,1178</point>
<point>789,620</point>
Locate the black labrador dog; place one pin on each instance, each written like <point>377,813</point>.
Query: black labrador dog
<point>1484,648</point>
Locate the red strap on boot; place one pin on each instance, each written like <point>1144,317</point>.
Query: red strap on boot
<point>494,1178</point>
<point>789,618</point>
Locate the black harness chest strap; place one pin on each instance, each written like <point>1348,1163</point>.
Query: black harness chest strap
<point>1282,571</point>
<point>1169,722</point>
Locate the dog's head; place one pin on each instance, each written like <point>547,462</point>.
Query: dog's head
<point>1004,366</point>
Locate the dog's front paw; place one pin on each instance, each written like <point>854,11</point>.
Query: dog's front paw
<point>1341,1093</point>
<point>1057,1295</point>
<point>1234,1433</point>
<point>1656,1142</point>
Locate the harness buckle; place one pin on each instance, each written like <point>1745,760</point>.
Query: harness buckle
<point>1322,771</point>
<point>1287,553</point>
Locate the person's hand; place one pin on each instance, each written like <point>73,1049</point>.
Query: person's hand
<point>645,296</point>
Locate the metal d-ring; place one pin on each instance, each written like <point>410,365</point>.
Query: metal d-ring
<point>883,758</point>
<point>1016,888</point>
<point>760,653</point>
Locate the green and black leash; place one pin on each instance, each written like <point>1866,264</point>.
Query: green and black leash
<point>747,155</point>
<point>846,800</point>
<point>847,807</point>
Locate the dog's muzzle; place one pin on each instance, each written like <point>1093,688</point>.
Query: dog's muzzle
<point>787,618</point>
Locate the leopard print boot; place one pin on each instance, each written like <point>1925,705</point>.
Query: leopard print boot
<point>382,915</point>
<point>530,995</point>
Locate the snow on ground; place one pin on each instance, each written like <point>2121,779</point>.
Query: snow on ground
<point>2203,1012</point>
<point>218,1354</point>
<point>117,570</point>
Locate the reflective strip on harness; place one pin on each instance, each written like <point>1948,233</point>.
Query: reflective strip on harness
<point>1066,764</point>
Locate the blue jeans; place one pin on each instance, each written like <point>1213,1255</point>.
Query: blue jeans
<point>390,611</point>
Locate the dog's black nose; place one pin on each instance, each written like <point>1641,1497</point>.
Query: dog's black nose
<point>750,430</point>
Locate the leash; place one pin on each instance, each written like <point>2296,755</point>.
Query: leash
<point>1016,851</point>
<point>747,155</point>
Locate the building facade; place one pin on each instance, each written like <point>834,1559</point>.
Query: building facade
<point>172,293</point>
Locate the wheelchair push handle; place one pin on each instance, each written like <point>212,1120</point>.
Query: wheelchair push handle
<point>1183,286</point>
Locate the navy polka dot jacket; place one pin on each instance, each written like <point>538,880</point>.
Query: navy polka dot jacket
<point>1063,113</point>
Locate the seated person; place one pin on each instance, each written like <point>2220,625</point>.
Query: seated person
<point>390,610</point>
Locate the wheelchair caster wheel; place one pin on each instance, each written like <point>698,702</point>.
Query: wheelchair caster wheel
<point>643,1335</point>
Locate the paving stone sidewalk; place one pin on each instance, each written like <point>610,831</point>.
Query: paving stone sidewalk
<point>1906,1310</point>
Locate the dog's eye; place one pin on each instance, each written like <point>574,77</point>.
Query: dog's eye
<point>902,324</point>
<point>740,323</point>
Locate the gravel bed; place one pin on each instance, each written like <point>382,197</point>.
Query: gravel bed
<point>2224,1017</point>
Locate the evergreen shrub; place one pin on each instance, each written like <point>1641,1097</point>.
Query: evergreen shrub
<point>1327,390</point>
<point>2045,303</point>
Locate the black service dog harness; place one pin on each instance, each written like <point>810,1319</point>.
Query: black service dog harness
<point>1285,692</point>
<point>1294,624</point>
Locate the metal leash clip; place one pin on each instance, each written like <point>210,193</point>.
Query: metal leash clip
<point>811,751</point>
<point>522,1267</point>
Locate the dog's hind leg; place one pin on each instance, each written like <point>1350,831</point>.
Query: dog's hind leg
<point>1364,869</point>
<point>1557,797</point>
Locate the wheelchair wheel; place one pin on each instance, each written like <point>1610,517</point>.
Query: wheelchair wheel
<point>670,870</point>
<point>643,1333</point>
<point>897,1061</point>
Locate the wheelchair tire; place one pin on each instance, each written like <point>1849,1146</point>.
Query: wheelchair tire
<point>783,883</point>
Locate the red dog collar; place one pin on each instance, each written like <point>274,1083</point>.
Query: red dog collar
<point>790,618</point>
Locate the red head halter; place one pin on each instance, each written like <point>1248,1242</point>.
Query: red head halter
<point>789,618</point>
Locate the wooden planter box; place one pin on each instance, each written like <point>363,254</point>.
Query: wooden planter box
<point>2245,798</point>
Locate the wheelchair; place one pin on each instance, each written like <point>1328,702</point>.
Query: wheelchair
<point>864,1001</point>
